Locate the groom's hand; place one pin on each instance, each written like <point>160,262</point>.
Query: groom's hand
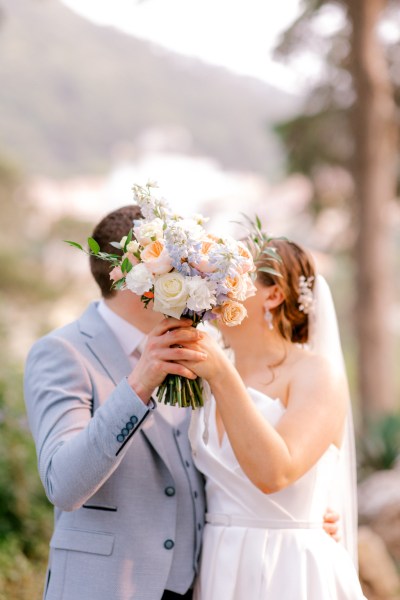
<point>171,340</point>
<point>330,525</point>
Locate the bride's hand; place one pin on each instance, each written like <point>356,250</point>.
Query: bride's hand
<point>216,363</point>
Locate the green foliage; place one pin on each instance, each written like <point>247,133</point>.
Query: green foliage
<point>380,446</point>
<point>25,514</point>
<point>321,136</point>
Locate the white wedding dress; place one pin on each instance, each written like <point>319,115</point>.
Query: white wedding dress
<point>267,547</point>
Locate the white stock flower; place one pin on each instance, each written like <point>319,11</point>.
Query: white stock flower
<point>170,294</point>
<point>191,228</point>
<point>139,279</point>
<point>146,232</point>
<point>201,294</point>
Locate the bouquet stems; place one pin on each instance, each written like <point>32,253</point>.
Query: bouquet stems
<point>181,391</point>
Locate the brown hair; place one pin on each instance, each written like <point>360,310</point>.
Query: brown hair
<point>291,322</point>
<point>111,229</point>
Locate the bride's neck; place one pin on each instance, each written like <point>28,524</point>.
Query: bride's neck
<point>263,345</point>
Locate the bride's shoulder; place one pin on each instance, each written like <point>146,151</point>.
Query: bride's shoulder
<point>313,368</point>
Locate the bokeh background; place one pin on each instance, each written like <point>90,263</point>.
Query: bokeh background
<point>290,112</point>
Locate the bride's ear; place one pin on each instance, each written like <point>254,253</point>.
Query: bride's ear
<point>273,297</point>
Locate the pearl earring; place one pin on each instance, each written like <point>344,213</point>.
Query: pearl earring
<point>269,318</point>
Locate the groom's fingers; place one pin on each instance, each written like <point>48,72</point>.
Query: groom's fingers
<point>168,324</point>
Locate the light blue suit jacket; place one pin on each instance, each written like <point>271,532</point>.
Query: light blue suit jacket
<point>102,462</point>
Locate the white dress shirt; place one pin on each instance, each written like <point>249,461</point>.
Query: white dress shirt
<point>133,341</point>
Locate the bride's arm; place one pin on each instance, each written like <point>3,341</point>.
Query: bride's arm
<point>273,458</point>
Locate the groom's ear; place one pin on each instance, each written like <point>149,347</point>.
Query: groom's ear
<point>273,297</point>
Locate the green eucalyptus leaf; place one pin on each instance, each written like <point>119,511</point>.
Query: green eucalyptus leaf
<point>93,245</point>
<point>270,271</point>
<point>128,239</point>
<point>272,253</point>
<point>75,244</point>
<point>124,265</point>
<point>119,284</point>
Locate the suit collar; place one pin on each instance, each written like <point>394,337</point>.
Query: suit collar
<point>103,344</point>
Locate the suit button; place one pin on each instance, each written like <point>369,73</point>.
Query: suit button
<point>187,463</point>
<point>170,491</point>
<point>129,425</point>
<point>133,420</point>
<point>178,432</point>
<point>120,437</point>
<point>168,544</point>
<point>195,494</point>
<point>199,526</point>
<point>124,431</point>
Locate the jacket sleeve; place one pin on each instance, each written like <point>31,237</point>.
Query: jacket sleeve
<point>77,450</point>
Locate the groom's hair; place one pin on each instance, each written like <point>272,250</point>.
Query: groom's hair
<point>111,228</point>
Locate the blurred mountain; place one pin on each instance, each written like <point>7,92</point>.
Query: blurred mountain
<point>73,95</point>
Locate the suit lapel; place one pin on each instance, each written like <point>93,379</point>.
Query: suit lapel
<point>103,344</point>
<point>106,349</point>
<point>153,434</point>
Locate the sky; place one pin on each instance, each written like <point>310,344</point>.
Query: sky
<point>237,34</point>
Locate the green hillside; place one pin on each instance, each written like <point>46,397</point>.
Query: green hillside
<point>70,91</point>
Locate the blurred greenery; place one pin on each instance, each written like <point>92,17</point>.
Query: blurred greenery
<point>380,447</point>
<point>25,514</point>
<point>27,291</point>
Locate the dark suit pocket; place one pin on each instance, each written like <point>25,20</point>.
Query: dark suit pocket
<point>78,540</point>
<point>99,507</point>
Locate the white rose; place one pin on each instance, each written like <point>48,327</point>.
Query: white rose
<point>201,294</point>
<point>123,240</point>
<point>139,279</point>
<point>148,232</point>
<point>170,294</point>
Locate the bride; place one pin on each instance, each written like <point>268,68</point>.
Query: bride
<point>274,443</point>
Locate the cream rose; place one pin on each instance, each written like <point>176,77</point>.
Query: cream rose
<point>145,233</point>
<point>132,247</point>
<point>231,313</point>
<point>156,258</point>
<point>170,294</point>
<point>139,280</point>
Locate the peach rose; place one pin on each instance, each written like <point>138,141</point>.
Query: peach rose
<point>116,274</point>
<point>231,313</point>
<point>204,265</point>
<point>156,258</point>
<point>248,263</point>
<point>237,287</point>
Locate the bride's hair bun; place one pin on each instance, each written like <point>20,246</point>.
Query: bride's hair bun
<point>289,318</point>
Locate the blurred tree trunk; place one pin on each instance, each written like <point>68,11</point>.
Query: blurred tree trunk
<point>375,151</point>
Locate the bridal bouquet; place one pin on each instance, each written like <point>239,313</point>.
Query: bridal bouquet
<point>184,271</point>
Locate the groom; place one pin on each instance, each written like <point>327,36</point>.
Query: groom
<point>129,503</point>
